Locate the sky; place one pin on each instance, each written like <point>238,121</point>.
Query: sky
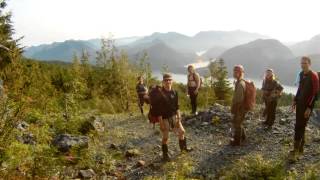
<point>46,21</point>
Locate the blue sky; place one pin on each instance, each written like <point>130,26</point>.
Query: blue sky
<point>46,21</point>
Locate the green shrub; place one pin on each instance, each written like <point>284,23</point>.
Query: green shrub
<point>256,167</point>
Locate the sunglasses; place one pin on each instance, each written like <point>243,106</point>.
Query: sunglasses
<point>167,80</point>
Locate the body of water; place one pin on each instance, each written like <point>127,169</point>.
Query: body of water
<point>182,78</point>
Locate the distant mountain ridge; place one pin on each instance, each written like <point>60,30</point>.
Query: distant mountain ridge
<point>201,41</point>
<point>257,56</point>
<point>308,47</point>
<point>255,52</point>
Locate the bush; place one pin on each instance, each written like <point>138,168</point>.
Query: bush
<point>256,167</point>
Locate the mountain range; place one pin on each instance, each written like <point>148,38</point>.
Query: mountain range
<point>183,45</point>
<point>256,52</point>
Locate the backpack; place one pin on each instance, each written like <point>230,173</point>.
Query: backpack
<point>319,78</point>
<point>153,97</point>
<point>250,96</point>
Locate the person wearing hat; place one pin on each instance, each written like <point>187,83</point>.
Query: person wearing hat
<point>193,84</point>
<point>170,119</point>
<point>272,90</point>
<point>237,107</point>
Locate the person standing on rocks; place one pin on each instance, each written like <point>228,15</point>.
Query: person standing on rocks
<point>303,104</point>
<point>194,83</point>
<point>272,90</point>
<point>170,119</point>
<point>237,108</point>
<point>141,91</point>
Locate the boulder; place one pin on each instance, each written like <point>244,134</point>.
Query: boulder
<point>64,142</point>
<point>27,138</point>
<point>87,174</point>
<point>132,153</point>
<point>23,126</point>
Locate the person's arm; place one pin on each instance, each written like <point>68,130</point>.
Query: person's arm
<point>298,90</point>
<point>315,90</point>
<point>198,81</point>
<point>279,89</point>
<point>177,106</point>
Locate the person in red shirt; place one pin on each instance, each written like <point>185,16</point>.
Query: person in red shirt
<point>303,104</point>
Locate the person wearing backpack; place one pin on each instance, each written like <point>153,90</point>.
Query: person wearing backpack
<point>194,83</point>
<point>303,104</point>
<point>243,101</point>
<point>170,119</point>
<point>141,91</point>
<point>272,90</point>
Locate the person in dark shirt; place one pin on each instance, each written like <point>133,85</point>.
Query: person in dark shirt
<point>303,104</point>
<point>141,91</point>
<point>272,90</point>
<point>170,119</point>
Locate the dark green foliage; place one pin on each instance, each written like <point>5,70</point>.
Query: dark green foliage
<point>219,81</point>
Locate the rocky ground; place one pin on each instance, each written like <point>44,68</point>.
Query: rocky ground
<point>209,134</point>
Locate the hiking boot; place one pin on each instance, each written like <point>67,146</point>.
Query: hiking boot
<point>243,135</point>
<point>234,143</point>
<point>183,146</point>
<point>301,150</point>
<point>237,138</point>
<point>165,156</point>
<point>295,153</point>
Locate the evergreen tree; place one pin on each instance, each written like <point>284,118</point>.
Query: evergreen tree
<point>8,45</point>
<point>145,68</point>
<point>219,81</point>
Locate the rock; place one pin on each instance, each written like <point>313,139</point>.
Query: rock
<point>87,174</point>
<point>218,106</point>
<point>316,139</point>
<point>27,139</point>
<point>114,147</point>
<point>132,153</point>
<point>23,126</point>
<point>64,142</point>
<point>308,129</point>
<point>141,163</point>
<point>98,125</point>
<point>109,178</point>
<point>99,158</point>
<point>205,124</point>
<point>93,123</point>
<point>283,121</point>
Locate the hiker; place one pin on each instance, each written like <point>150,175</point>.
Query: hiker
<point>194,83</point>
<point>303,103</point>
<point>272,90</point>
<point>237,108</point>
<point>141,91</point>
<point>170,119</point>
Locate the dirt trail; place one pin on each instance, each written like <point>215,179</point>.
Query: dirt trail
<point>209,135</point>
